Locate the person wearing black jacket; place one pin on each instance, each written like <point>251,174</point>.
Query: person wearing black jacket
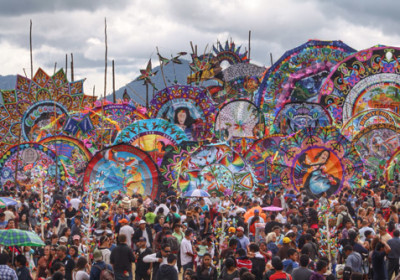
<point>143,231</point>
<point>271,224</point>
<point>65,260</point>
<point>168,271</point>
<point>122,258</point>
<point>258,261</point>
<point>143,270</point>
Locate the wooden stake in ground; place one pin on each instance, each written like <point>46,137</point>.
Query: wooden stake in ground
<point>249,43</point>
<point>66,65</point>
<point>30,46</point>
<point>72,67</point>
<point>113,82</point>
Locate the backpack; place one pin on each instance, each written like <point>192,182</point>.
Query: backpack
<point>105,273</point>
<point>172,242</point>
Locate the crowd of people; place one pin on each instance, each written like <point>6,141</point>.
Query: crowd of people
<point>233,237</point>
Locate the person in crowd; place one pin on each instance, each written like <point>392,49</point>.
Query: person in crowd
<point>121,259</point>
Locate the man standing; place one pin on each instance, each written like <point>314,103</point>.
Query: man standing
<point>65,260</point>
<point>98,266</point>
<point>127,230</point>
<point>143,270</point>
<point>158,259</point>
<point>353,259</point>
<point>243,240</point>
<point>76,227</point>
<point>187,251</point>
<point>143,231</point>
<point>5,271</point>
<point>302,272</point>
<point>394,254</point>
<point>121,259</point>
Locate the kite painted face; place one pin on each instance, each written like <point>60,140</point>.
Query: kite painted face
<point>181,117</point>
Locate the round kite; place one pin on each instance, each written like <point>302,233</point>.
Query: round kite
<point>152,136</point>
<point>299,74</point>
<point>38,108</point>
<point>123,169</point>
<point>34,163</point>
<point>368,79</point>
<point>172,162</point>
<point>238,119</point>
<point>72,153</point>
<point>261,156</point>
<point>376,144</point>
<point>296,116</point>
<point>188,107</point>
<point>392,168</point>
<point>369,117</point>
<point>215,168</point>
<point>317,160</point>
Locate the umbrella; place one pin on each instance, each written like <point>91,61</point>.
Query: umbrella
<point>7,201</point>
<point>197,193</point>
<point>17,237</point>
<point>250,213</point>
<point>272,209</point>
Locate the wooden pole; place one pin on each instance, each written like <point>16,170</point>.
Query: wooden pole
<point>272,60</point>
<point>41,210</point>
<point>147,95</point>
<point>90,216</point>
<point>105,83</point>
<point>16,162</point>
<point>30,46</point>
<point>55,67</point>
<point>328,237</point>
<point>66,65</point>
<point>113,81</point>
<point>249,43</point>
<point>94,91</point>
<point>55,145</point>
<point>105,60</point>
<point>72,67</point>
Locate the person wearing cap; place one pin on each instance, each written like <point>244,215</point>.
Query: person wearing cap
<point>282,252</point>
<point>215,200</point>
<point>82,249</point>
<point>243,239</point>
<point>127,230</point>
<point>63,258</point>
<point>143,231</point>
<point>143,270</point>
<point>98,265</point>
<point>63,240</point>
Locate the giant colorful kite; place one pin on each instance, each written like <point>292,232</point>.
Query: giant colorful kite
<point>317,160</point>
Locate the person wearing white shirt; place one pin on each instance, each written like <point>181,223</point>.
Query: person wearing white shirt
<point>187,251</point>
<point>159,259</point>
<point>75,202</point>
<point>127,230</point>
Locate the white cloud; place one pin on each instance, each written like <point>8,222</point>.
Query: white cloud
<point>135,28</point>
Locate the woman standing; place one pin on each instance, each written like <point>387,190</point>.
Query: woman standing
<point>81,270</point>
<point>44,262</point>
<point>207,271</point>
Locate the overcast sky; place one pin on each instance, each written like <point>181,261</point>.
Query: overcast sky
<point>136,27</point>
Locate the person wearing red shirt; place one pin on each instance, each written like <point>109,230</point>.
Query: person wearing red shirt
<point>279,273</point>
